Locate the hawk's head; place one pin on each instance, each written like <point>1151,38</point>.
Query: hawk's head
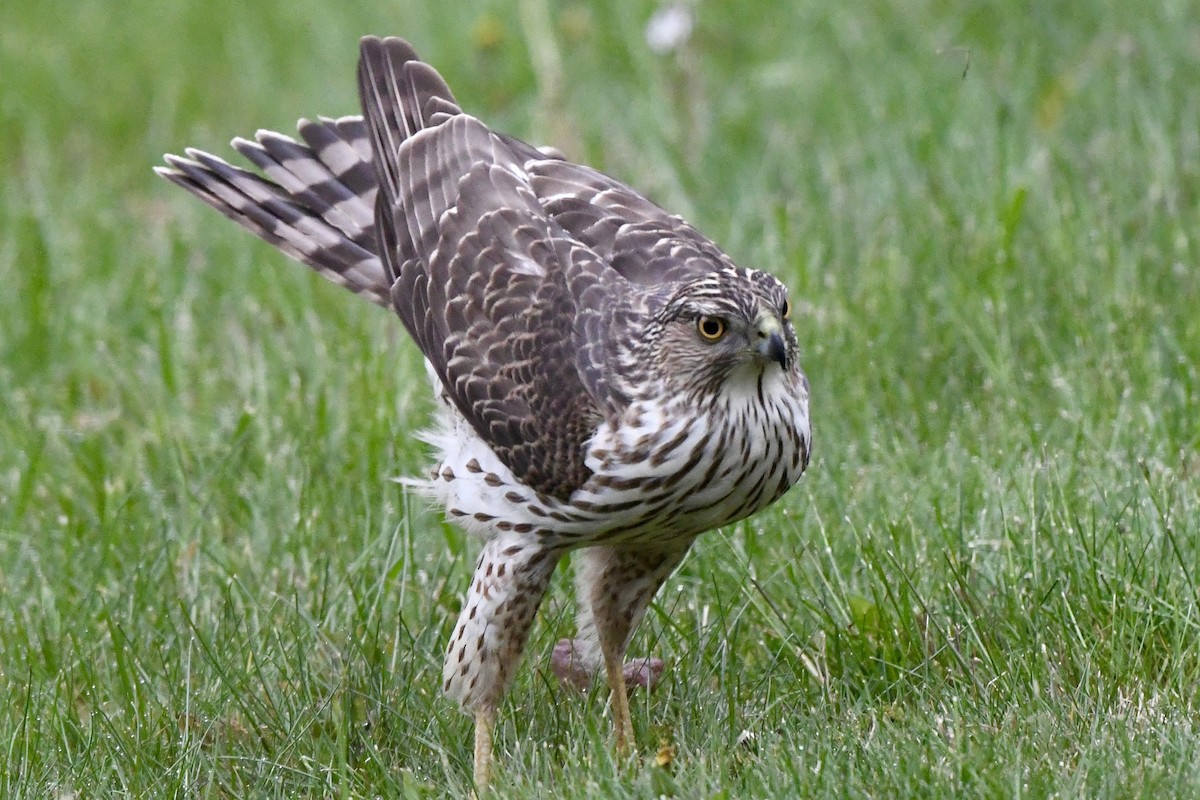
<point>724,330</point>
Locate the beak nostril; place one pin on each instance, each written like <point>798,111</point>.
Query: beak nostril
<point>773,347</point>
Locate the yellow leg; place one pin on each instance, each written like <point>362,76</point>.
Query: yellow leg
<point>619,698</point>
<point>485,720</point>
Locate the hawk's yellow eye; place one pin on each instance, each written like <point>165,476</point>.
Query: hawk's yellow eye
<point>711,328</point>
<point>787,309</point>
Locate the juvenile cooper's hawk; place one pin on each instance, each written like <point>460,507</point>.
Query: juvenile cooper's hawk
<point>609,379</point>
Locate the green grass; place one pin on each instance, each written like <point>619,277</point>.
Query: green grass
<point>986,586</point>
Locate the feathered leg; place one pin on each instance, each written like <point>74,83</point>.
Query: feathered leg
<point>614,587</point>
<point>486,647</point>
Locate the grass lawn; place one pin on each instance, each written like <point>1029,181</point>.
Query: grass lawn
<point>986,586</point>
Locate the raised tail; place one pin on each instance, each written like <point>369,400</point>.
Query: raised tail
<point>315,200</point>
<point>316,203</point>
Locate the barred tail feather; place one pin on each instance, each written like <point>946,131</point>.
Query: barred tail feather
<point>316,203</point>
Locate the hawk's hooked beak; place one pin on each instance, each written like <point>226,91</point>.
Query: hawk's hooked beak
<point>771,344</point>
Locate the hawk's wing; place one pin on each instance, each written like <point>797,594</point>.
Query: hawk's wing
<point>483,279</point>
<point>646,244</point>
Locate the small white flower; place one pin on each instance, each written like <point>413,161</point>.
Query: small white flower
<point>669,28</point>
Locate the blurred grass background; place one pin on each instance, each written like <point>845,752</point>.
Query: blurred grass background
<point>986,586</point>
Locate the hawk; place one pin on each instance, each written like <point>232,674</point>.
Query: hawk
<point>610,382</point>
